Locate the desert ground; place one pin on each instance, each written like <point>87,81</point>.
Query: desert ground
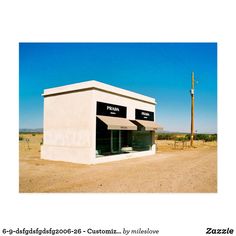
<point>170,170</point>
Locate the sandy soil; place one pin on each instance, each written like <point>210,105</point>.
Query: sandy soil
<point>170,170</point>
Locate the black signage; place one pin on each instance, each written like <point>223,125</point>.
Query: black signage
<point>106,109</point>
<point>144,115</point>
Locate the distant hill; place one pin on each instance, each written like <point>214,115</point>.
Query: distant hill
<point>170,132</point>
<point>38,130</point>
<point>179,132</point>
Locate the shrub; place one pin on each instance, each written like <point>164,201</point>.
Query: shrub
<point>181,138</point>
<point>211,137</point>
<point>163,136</point>
<point>205,137</point>
<point>21,138</point>
<point>33,134</point>
<point>187,136</point>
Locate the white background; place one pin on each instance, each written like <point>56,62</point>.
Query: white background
<point>118,21</point>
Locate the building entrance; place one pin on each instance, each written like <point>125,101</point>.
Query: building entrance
<point>115,141</point>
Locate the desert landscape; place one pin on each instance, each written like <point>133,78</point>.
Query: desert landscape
<point>176,168</point>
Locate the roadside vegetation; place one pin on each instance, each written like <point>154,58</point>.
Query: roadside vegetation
<point>186,137</point>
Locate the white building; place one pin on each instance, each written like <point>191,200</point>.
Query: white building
<point>92,122</point>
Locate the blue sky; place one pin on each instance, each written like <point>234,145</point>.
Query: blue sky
<point>159,70</point>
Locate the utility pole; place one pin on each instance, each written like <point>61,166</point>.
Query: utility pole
<point>192,110</point>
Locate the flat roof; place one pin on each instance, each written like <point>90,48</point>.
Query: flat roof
<point>93,84</point>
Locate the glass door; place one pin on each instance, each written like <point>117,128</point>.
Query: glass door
<point>115,141</point>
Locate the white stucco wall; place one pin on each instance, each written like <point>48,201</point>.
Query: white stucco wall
<point>69,127</point>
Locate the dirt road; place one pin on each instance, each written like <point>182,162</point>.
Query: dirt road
<point>191,170</point>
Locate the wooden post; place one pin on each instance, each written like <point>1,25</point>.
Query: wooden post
<point>192,110</point>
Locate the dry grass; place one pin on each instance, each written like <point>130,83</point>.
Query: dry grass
<point>189,170</point>
<point>169,145</point>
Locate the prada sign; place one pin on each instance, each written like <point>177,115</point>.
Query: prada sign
<point>144,115</point>
<point>106,109</point>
